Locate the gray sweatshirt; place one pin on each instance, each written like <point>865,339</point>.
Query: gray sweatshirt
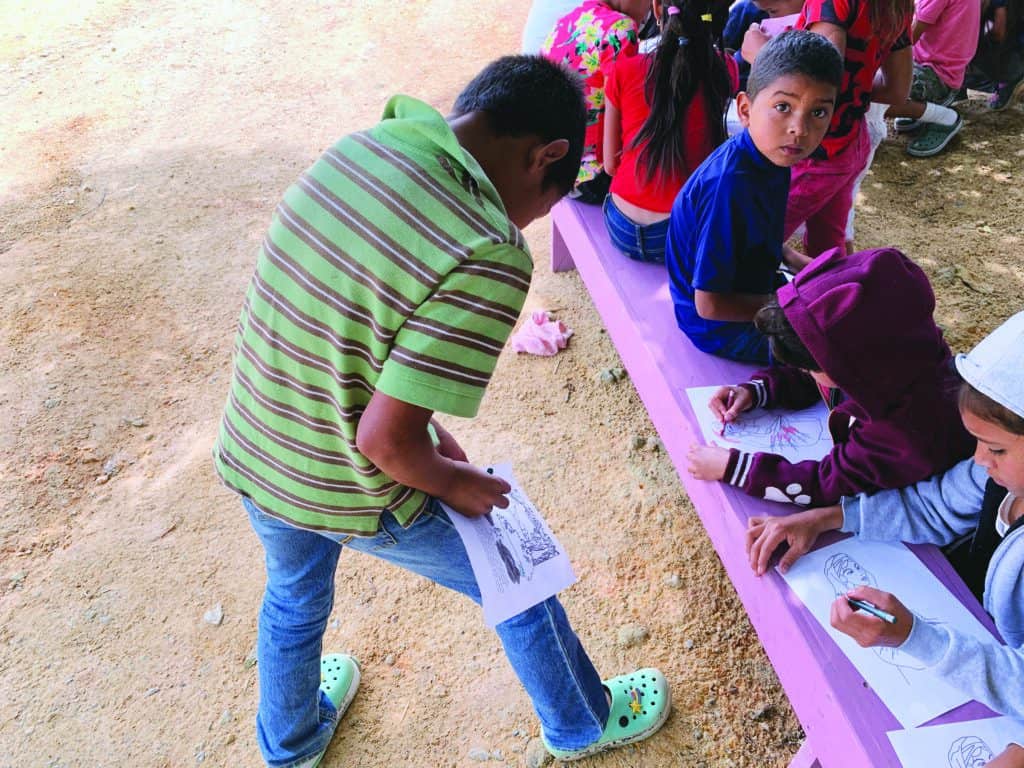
<point>939,511</point>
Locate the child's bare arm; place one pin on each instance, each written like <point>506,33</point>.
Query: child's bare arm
<point>919,28</point>
<point>393,435</point>
<point>892,83</point>
<point>612,138</point>
<point>1011,757</point>
<point>729,307</point>
<point>998,30</point>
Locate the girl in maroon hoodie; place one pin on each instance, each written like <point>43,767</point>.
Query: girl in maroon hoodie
<point>858,331</point>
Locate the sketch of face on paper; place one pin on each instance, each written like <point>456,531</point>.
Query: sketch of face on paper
<point>969,752</point>
<point>520,539</point>
<point>844,573</point>
<point>773,432</point>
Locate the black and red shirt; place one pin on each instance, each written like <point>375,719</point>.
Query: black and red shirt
<point>865,52</point>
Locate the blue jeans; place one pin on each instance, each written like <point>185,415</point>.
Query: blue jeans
<point>641,242</point>
<point>294,721</point>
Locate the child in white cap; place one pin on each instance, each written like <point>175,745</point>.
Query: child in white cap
<point>981,498</point>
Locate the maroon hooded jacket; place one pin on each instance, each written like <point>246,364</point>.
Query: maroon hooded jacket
<point>867,320</point>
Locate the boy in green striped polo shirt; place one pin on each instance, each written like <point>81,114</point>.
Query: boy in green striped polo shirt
<point>390,278</point>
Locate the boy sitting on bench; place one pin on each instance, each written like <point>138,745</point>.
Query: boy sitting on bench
<point>724,244</point>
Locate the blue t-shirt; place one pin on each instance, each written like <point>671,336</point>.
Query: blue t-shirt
<point>725,235</point>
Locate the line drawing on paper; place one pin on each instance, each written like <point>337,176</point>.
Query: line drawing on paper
<point>774,432</point>
<point>519,538</point>
<point>845,573</point>
<point>969,752</point>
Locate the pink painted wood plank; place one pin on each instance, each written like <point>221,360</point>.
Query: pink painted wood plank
<point>844,720</point>
<point>804,758</point>
<point>561,257</point>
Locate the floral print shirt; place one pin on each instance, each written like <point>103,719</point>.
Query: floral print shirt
<point>586,39</point>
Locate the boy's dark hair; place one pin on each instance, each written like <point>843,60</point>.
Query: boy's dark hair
<point>785,345</point>
<point>529,95</point>
<point>987,409</point>
<point>686,58</point>
<point>796,52</point>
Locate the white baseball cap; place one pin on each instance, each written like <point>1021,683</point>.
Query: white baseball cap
<point>996,366</point>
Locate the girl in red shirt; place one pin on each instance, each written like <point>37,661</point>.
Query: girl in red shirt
<point>663,115</point>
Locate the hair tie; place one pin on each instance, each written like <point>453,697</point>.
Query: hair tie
<point>706,17</point>
<point>672,10</point>
<point>683,40</point>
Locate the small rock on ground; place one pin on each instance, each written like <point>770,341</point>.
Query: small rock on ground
<point>631,634</point>
<point>537,754</point>
<point>215,615</point>
<point>479,754</point>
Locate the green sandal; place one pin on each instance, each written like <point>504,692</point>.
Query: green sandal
<point>339,681</point>
<point>641,702</point>
<point>934,138</point>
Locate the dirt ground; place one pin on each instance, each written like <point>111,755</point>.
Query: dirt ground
<point>143,147</point>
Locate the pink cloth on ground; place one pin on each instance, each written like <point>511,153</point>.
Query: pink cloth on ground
<point>541,335</point>
<point>949,44</point>
<point>821,195</point>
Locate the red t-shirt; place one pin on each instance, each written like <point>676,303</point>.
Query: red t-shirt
<point>624,90</point>
<point>865,52</point>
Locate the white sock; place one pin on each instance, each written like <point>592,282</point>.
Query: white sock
<point>936,113</point>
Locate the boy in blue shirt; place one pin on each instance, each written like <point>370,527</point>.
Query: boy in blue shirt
<point>724,244</point>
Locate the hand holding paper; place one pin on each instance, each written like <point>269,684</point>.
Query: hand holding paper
<point>473,492</point>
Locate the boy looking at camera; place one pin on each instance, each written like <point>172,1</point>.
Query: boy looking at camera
<point>724,245</point>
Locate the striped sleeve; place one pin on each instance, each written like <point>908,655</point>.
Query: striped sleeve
<point>445,352</point>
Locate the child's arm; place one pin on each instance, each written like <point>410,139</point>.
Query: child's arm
<point>1011,757</point>
<point>783,386</point>
<point>997,32</point>
<point>938,510</point>
<point>864,462</point>
<point>728,307</point>
<point>919,28</point>
<point>393,435</point>
<point>934,511</point>
<point>612,138</point>
<point>892,82</point>
<point>985,671</point>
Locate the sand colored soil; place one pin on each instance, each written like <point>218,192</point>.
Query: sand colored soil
<point>142,150</point>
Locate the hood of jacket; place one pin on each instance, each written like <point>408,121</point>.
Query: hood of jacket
<point>866,318</point>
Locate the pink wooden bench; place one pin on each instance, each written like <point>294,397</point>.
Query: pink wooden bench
<point>845,722</point>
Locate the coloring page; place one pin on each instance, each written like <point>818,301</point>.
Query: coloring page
<point>969,744</point>
<point>795,435</point>
<point>912,693</point>
<point>516,558</point>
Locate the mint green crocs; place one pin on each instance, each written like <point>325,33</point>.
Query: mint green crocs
<point>641,702</point>
<point>339,680</point>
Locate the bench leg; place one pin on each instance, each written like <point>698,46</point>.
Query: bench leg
<point>805,757</point>
<point>561,259</point>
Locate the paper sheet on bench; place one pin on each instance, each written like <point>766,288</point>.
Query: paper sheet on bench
<point>795,435</point>
<point>516,558</point>
<point>913,694</point>
<point>956,745</point>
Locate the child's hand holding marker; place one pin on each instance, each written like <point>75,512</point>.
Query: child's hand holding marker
<point>859,614</point>
<point>708,462</point>
<point>729,402</point>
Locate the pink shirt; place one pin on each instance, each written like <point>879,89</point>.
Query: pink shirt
<point>948,46</point>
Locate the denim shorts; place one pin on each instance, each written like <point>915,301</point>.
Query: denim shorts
<point>641,242</point>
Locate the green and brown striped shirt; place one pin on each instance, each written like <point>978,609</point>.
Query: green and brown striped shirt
<point>390,264</point>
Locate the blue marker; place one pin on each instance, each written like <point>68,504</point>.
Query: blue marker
<point>875,611</point>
